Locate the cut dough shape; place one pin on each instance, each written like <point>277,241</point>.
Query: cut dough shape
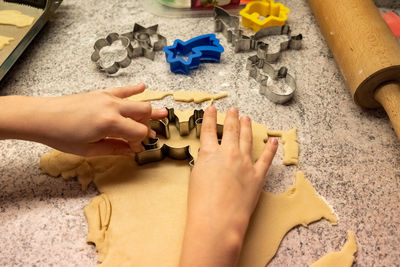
<point>4,40</point>
<point>195,96</point>
<point>139,218</point>
<point>15,18</point>
<point>149,95</point>
<point>290,145</point>
<point>342,258</point>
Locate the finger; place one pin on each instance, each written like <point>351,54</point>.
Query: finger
<point>265,160</point>
<point>231,128</point>
<point>208,134</point>
<point>158,114</point>
<point>136,147</point>
<point>107,147</point>
<point>138,111</point>
<point>246,136</point>
<point>127,91</point>
<point>133,132</point>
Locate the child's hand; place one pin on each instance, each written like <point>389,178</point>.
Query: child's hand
<point>224,188</point>
<point>87,124</point>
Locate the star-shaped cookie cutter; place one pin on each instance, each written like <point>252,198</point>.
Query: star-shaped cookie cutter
<point>154,153</point>
<point>136,43</point>
<point>275,14</point>
<point>261,71</point>
<point>204,48</point>
<point>141,40</point>
<point>229,26</point>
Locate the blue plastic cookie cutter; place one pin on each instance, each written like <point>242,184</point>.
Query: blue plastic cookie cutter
<point>204,48</point>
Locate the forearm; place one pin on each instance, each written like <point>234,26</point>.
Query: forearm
<point>19,117</point>
<point>208,243</point>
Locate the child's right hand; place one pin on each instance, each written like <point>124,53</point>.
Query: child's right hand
<point>97,123</point>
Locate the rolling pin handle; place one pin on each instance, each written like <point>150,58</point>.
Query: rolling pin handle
<point>388,96</point>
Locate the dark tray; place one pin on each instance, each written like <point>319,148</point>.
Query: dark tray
<point>23,36</point>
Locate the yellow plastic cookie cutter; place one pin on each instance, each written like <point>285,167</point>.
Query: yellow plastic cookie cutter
<point>275,14</point>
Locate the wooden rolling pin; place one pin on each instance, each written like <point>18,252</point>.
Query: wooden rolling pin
<point>366,51</point>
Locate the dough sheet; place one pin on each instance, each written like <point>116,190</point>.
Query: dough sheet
<point>139,217</point>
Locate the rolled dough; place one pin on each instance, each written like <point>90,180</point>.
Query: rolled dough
<point>16,18</point>
<point>342,258</point>
<point>139,218</point>
<point>195,96</point>
<point>4,40</point>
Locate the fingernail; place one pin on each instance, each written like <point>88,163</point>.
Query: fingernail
<point>246,118</point>
<point>234,110</point>
<point>152,134</point>
<point>211,108</point>
<point>273,141</point>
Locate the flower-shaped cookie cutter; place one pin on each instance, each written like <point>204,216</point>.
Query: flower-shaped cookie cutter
<point>154,153</point>
<point>261,71</point>
<point>204,48</point>
<point>274,14</point>
<point>108,41</point>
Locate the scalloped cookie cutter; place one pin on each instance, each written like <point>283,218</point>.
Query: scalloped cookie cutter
<point>108,41</point>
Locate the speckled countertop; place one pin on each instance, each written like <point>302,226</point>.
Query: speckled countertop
<point>351,156</point>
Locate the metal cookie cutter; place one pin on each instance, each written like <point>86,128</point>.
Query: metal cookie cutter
<point>141,40</point>
<point>108,41</point>
<point>229,26</point>
<point>204,48</point>
<point>154,153</point>
<point>137,43</point>
<point>261,71</point>
<point>225,23</point>
<point>275,14</point>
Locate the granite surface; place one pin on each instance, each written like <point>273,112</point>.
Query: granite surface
<point>350,155</point>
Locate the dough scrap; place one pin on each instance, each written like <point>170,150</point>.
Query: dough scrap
<point>15,18</point>
<point>139,217</point>
<point>4,40</point>
<point>277,214</point>
<point>290,145</point>
<point>149,95</point>
<point>195,96</point>
<point>342,258</point>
